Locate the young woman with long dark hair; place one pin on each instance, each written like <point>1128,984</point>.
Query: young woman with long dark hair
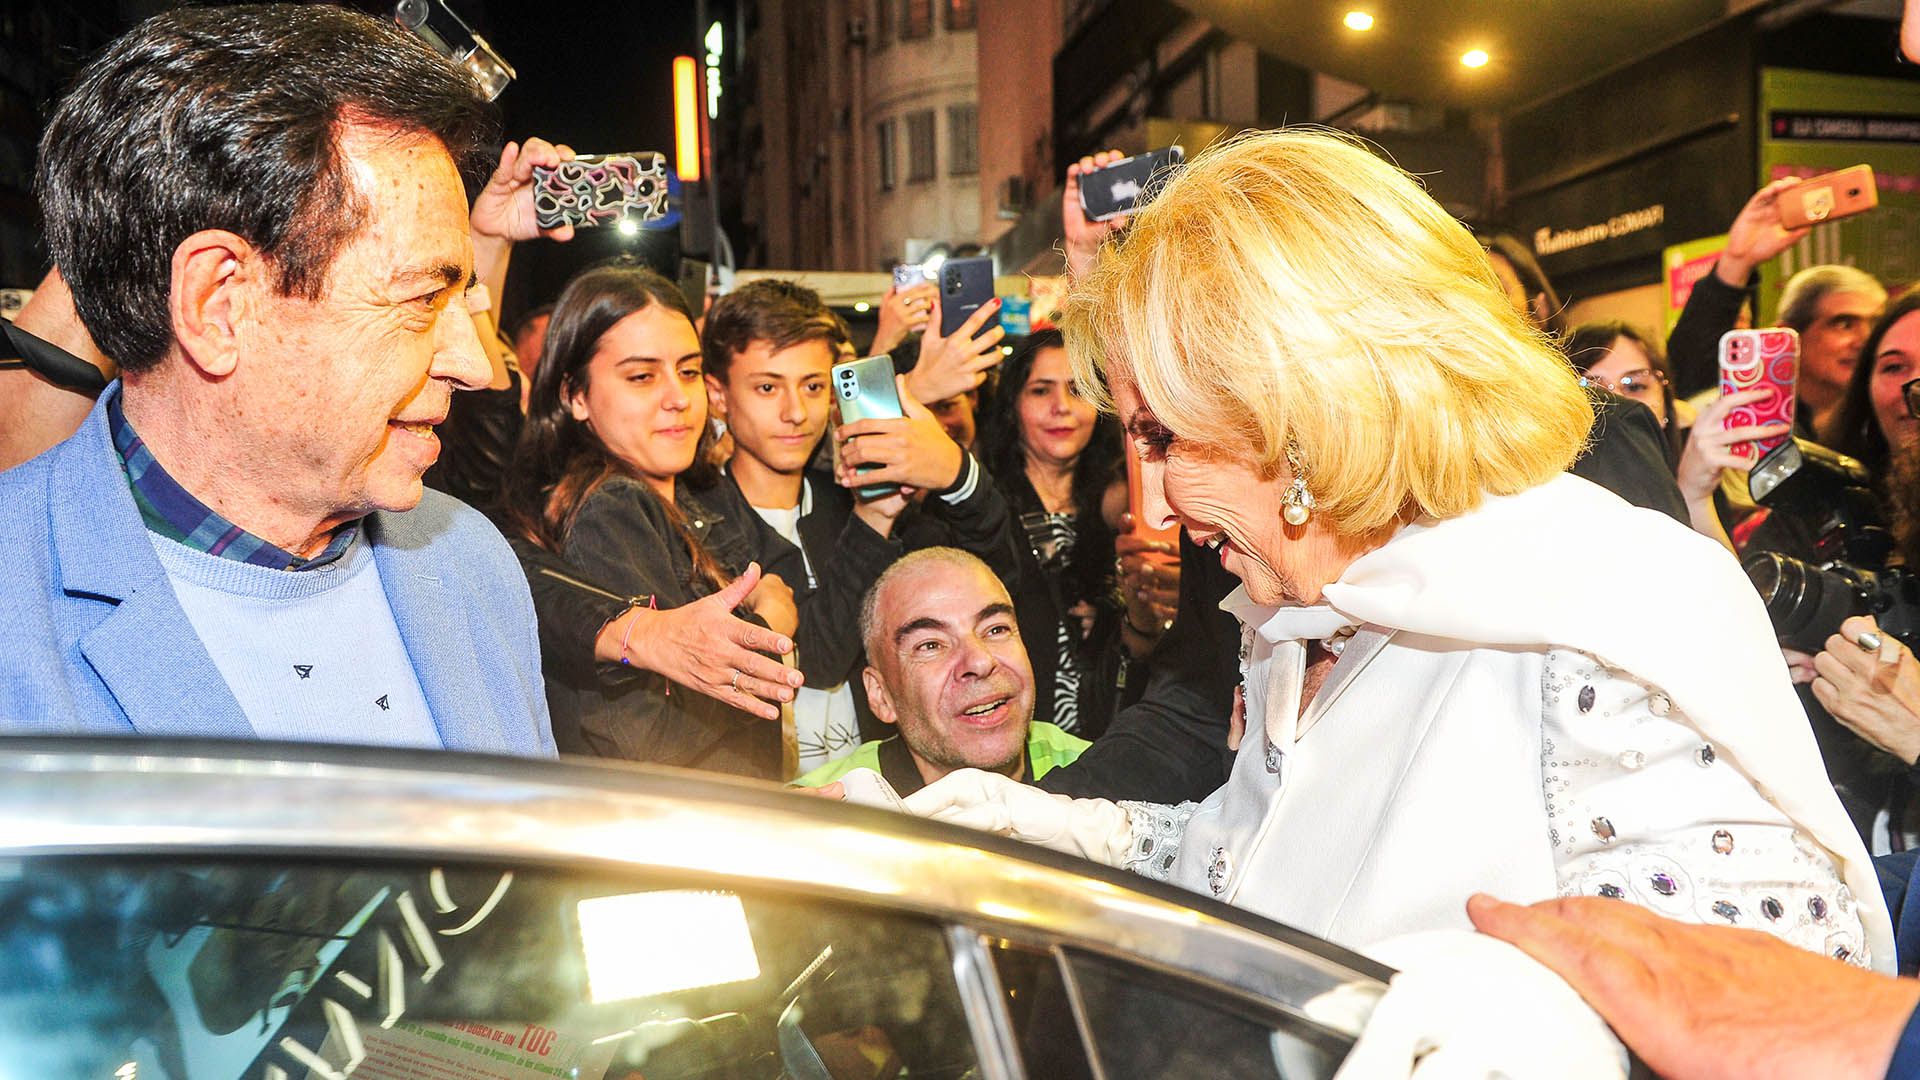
<point>611,473</point>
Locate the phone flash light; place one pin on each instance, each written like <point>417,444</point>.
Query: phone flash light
<point>1474,58</point>
<point>628,226</point>
<point>1358,20</point>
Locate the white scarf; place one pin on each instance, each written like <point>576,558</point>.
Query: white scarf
<point>1519,571</point>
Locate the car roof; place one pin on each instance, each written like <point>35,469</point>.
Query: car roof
<point>221,799</point>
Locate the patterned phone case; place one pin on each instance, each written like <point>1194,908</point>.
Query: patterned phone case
<point>601,189</point>
<point>1756,359</point>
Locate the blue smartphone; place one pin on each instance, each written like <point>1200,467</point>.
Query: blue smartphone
<point>865,390</point>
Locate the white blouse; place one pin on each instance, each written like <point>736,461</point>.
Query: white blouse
<point>1468,740</point>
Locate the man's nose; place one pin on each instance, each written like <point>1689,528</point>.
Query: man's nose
<point>458,355</point>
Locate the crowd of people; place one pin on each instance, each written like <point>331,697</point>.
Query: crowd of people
<point>1416,593</point>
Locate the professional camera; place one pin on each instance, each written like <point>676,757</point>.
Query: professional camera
<point>1807,600</point>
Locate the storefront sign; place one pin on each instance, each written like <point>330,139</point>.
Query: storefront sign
<point>1548,241</point>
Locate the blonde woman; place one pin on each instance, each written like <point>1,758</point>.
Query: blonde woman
<point>1327,387</point>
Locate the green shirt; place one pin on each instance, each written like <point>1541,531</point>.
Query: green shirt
<point>1048,748</point>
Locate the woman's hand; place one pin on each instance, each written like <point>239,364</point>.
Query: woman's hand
<point>772,600</point>
<point>914,451</point>
<point>1149,580</point>
<point>1083,236</point>
<point>1712,448</point>
<point>705,648</point>
<point>1874,692</point>
<point>954,365</point>
<point>902,312</point>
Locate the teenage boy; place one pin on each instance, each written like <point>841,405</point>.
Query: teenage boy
<point>769,348</point>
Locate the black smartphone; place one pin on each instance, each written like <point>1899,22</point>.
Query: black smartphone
<point>965,285</point>
<point>1116,189</point>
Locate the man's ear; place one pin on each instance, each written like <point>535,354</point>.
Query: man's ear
<point>213,275</point>
<point>877,695</point>
<point>716,396</point>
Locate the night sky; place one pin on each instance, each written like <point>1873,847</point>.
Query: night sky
<point>597,76</point>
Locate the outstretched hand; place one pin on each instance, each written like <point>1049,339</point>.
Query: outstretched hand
<point>1710,1001</point>
<point>704,647</point>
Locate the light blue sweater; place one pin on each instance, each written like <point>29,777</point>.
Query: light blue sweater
<point>311,656</point>
<point>96,640</point>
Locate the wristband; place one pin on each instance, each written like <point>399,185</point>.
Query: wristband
<point>628,636</point>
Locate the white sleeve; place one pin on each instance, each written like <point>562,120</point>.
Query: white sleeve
<point>1154,843</point>
<point>1642,809</point>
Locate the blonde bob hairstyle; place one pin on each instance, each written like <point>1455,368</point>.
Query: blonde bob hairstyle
<point>1292,287</point>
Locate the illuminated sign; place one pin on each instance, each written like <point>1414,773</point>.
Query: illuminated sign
<point>713,71</point>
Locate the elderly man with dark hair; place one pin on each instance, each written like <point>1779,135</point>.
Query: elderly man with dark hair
<point>261,214</point>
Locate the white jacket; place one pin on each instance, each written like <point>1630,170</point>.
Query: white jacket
<point>1510,716</point>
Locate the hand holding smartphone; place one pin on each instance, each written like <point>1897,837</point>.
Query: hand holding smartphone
<point>1766,359</point>
<point>602,189</point>
<point>1829,198</point>
<point>864,389</point>
<point>1120,187</point>
<point>966,285</point>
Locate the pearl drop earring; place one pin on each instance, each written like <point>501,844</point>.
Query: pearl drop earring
<point>1297,502</point>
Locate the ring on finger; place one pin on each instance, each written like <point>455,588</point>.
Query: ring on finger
<point>1869,641</point>
<point>734,683</point>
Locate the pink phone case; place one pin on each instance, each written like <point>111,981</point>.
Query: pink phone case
<point>1760,359</point>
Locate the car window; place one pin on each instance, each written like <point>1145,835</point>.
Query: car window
<point>170,970</point>
<point>1148,1024</point>
<point>1040,1011</point>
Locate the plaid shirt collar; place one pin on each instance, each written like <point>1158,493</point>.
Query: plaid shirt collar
<point>173,512</point>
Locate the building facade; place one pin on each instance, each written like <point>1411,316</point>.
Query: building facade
<point>854,140</point>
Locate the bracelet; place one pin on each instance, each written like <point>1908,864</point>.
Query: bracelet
<point>628,636</point>
<point>1147,633</point>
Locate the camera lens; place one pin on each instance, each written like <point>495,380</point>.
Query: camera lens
<point>1805,603</point>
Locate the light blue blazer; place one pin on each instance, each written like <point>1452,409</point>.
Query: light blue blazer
<point>93,640</point>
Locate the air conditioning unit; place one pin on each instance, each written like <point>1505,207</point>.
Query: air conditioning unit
<point>857,30</point>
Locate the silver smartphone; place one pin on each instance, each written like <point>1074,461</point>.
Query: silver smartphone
<point>865,390</point>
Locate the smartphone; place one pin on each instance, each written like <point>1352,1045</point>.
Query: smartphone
<point>907,275</point>
<point>1754,360</point>
<point>965,285</point>
<point>601,189</point>
<point>1136,507</point>
<point>1116,189</point>
<point>1829,198</point>
<point>864,389</point>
